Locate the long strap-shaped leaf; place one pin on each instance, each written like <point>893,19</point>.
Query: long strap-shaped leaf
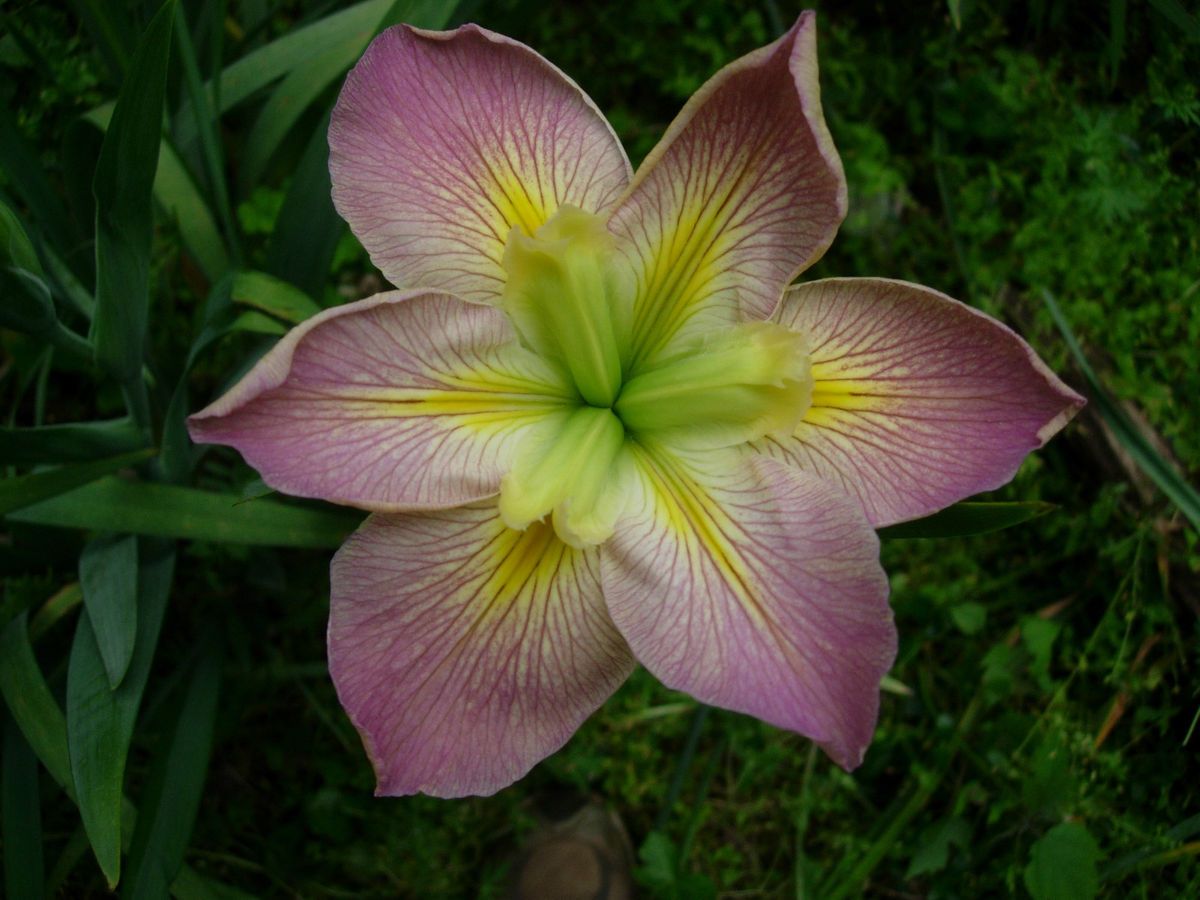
<point>163,510</point>
<point>123,186</point>
<point>1149,460</point>
<point>100,719</point>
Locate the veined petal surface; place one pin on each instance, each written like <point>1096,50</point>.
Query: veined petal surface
<point>464,651</point>
<point>755,587</point>
<point>918,400</point>
<point>401,401</point>
<point>442,142</point>
<point>744,191</point>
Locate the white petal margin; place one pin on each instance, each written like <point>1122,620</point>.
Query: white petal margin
<point>443,141</point>
<point>918,400</point>
<point>757,588</point>
<point>406,400</point>
<point>466,652</point>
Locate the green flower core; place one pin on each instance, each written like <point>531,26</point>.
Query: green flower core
<point>570,297</point>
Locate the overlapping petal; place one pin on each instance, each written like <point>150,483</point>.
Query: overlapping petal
<point>755,587</point>
<point>442,142</point>
<point>464,651</point>
<point>918,400</point>
<point>744,191</point>
<point>404,400</point>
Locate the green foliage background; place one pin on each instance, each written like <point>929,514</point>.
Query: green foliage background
<point>1039,736</point>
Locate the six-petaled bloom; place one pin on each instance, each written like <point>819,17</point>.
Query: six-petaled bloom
<point>595,424</point>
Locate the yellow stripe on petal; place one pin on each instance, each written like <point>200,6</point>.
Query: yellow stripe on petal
<point>918,400</point>
<point>465,652</point>
<point>744,191</point>
<point>397,402</point>
<point>756,588</point>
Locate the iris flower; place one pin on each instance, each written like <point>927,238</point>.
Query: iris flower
<point>595,424</point>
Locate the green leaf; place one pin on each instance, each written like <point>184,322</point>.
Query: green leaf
<point>169,511</point>
<point>177,193</point>
<point>100,721</point>
<point>1062,864</point>
<point>258,69</point>
<point>969,617</point>
<point>26,490</point>
<point>24,869</point>
<point>25,173</point>
<point>111,29</point>
<point>1175,12</point>
<point>1149,460</point>
<point>968,518</point>
<point>308,228</point>
<point>108,572</point>
<point>271,295</point>
<point>933,849</point>
<point>15,246</point>
<point>32,705</point>
<point>175,787</point>
<point>122,186</point>
<point>207,126</point>
<point>80,442</point>
<point>295,94</point>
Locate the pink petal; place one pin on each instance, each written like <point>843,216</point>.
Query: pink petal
<point>744,191</point>
<point>918,400</point>
<point>400,401</point>
<point>755,587</point>
<point>465,652</point>
<point>442,142</point>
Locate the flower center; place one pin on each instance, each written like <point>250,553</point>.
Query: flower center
<point>570,298</point>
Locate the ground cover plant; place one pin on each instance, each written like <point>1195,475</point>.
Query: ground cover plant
<point>170,721</point>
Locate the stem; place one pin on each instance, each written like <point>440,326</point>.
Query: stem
<point>685,761</point>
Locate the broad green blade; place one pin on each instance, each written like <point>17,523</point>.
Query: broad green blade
<point>108,576</point>
<point>177,193</point>
<point>123,187</point>
<point>24,869</point>
<point>26,490</point>
<point>348,29</point>
<point>20,163</point>
<point>31,704</point>
<point>113,504</point>
<point>176,783</point>
<point>15,247</point>
<point>100,720</point>
<point>210,142</point>
<point>308,228</point>
<point>967,518</point>
<point>295,94</point>
<point>79,442</point>
<point>271,295</point>
<point>1149,460</point>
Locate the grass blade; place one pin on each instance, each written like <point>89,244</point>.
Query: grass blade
<point>1149,460</point>
<point>177,193</point>
<point>26,490</point>
<point>113,504</point>
<point>262,67</point>
<point>272,296</point>
<point>52,444</point>
<point>24,869</point>
<point>308,228</point>
<point>100,721</point>
<point>123,187</point>
<point>971,517</point>
<point>31,704</point>
<point>206,124</point>
<point>176,782</point>
<point>108,577</point>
